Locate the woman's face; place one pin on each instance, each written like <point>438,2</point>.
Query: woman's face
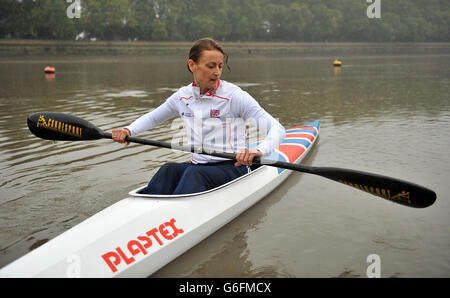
<point>207,70</point>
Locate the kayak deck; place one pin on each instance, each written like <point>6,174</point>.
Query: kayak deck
<point>140,234</point>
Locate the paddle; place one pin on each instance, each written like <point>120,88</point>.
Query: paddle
<point>64,127</point>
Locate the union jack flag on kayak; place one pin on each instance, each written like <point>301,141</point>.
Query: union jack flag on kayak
<point>295,143</point>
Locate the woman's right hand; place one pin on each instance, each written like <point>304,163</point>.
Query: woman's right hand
<point>119,135</point>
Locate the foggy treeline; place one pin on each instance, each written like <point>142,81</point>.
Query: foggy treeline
<point>225,20</point>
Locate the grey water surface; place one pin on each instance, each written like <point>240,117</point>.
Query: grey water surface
<point>384,114</point>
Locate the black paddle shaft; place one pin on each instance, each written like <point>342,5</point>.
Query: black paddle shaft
<point>65,127</point>
<point>395,190</point>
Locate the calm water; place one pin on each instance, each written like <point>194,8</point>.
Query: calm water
<point>388,115</point>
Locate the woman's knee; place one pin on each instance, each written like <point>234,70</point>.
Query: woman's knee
<point>194,172</point>
<point>171,167</point>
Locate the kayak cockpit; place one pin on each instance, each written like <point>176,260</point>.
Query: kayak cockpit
<point>138,191</point>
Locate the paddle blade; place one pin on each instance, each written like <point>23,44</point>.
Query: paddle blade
<point>62,127</point>
<point>392,189</point>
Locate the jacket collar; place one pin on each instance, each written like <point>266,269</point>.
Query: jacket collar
<point>211,92</point>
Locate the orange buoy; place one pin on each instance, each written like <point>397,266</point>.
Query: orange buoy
<point>337,63</point>
<point>49,69</point>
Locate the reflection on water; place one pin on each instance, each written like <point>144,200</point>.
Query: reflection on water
<point>388,115</point>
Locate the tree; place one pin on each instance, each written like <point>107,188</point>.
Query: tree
<point>143,15</point>
<point>51,22</point>
<point>298,17</point>
<point>159,31</point>
<point>107,19</point>
<point>326,23</point>
<point>228,20</point>
<point>201,26</point>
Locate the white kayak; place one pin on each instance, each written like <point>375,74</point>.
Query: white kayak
<point>142,233</point>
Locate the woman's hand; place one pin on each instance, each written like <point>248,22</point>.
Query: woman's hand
<point>119,135</point>
<point>245,156</point>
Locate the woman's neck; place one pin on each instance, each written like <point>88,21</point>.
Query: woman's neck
<point>202,89</point>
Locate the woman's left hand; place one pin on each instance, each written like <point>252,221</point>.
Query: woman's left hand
<point>245,156</point>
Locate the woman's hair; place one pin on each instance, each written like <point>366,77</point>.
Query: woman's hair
<point>203,44</point>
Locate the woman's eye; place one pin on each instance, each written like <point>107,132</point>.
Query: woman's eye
<point>214,66</point>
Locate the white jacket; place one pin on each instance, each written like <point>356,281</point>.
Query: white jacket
<point>215,120</point>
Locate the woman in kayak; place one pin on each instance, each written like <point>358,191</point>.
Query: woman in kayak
<point>214,113</point>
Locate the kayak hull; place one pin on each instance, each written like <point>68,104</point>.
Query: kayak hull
<point>140,234</point>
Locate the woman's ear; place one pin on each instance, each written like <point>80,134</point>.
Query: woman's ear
<point>191,65</point>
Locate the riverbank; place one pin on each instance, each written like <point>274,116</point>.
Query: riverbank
<point>11,48</point>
